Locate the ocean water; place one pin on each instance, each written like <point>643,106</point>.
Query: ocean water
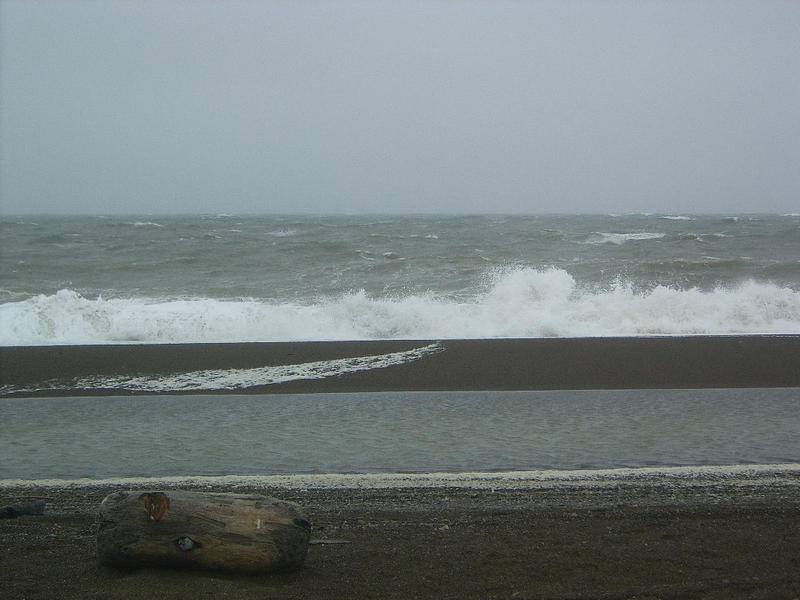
<point>147,279</point>
<point>100,279</point>
<point>173,436</point>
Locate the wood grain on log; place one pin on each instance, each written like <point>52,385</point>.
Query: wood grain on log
<point>180,529</point>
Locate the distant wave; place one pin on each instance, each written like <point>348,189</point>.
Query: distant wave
<point>620,238</point>
<point>518,302</point>
<point>146,224</point>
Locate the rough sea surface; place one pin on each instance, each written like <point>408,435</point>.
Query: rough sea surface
<point>96,279</point>
<point>133,280</point>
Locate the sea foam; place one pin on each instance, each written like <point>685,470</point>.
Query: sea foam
<point>516,302</point>
<point>234,379</point>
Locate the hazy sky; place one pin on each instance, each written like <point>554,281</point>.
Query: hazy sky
<point>428,106</point>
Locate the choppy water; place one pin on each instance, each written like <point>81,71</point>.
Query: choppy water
<point>395,432</point>
<point>259,278</point>
<point>87,280</point>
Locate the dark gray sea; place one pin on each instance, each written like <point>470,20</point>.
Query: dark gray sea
<point>221,278</point>
<point>85,280</point>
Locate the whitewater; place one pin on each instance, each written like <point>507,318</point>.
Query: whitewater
<point>95,280</point>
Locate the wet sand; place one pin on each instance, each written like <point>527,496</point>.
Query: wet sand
<point>696,533</point>
<point>491,364</point>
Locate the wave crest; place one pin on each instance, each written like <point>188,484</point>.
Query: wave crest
<point>517,302</point>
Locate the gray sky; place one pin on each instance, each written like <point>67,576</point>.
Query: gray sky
<point>308,107</point>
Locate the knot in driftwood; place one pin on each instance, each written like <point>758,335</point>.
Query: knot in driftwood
<point>186,543</point>
<point>156,504</point>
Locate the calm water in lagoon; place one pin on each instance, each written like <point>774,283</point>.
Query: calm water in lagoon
<point>394,432</point>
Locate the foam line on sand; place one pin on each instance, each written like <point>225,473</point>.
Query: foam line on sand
<point>749,361</point>
<point>784,474</point>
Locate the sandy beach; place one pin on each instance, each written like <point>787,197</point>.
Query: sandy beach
<point>485,364</point>
<point>710,533</point>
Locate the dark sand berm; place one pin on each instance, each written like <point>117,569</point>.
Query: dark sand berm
<point>489,364</point>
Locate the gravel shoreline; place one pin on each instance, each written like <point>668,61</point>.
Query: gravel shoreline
<point>660,483</point>
<point>702,532</point>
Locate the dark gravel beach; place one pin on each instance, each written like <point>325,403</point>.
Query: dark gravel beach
<point>710,537</point>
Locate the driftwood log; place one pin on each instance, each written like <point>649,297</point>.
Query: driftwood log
<point>180,529</point>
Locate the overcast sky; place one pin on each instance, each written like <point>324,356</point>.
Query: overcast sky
<point>353,107</point>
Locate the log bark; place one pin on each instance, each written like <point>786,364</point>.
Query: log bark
<point>180,529</point>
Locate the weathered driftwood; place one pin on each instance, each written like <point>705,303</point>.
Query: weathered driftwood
<point>179,529</point>
<point>34,507</point>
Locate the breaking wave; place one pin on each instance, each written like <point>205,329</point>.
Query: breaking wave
<point>517,302</point>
